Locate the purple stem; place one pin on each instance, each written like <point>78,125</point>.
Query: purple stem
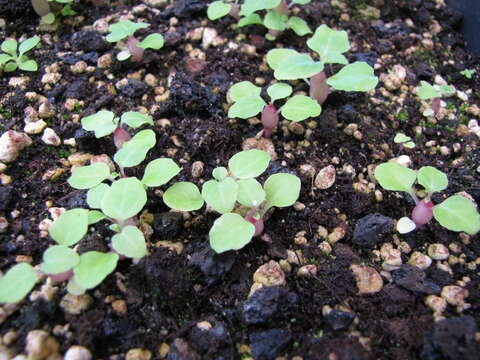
<point>120,136</point>
<point>235,11</point>
<point>436,105</point>
<point>422,213</point>
<point>258,223</point>
<point>319,88</point>
<point>64,276</point>
<point>269,120</point>
<point>282,8</point>
<point>137,52</point>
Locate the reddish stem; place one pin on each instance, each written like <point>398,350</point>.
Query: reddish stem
<point>422,213</point>
<point>137,52</point>
<point>269,120</point>
<point>258,223</point>
<point>64,276</point>
<point>235,11</point>
<point>120,136</point>
<point>282,8</point>
<point>319,88</point>
<point>436,105</point>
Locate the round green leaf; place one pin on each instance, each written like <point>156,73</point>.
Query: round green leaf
<point>48,19</point>
<point>95,195</point>
<point>246,107</point>
<point>125,199</point>
<point>279,91</point>
<point>230,232</point>
<point>299,26</point>
<point>243,89</point>
<point>124,28</point>
<point>183,196</point>
<point>250,193</point>
<point>17,283</point>
<point>276,56</point>
<point>395,177</point>
<point>58,259</point>
<point>275,21</point>
<point>251,6</point>
<point>130,242</point>
<point>220,173</point>
<point>95,216</point>
<point>86,177</point>
<point>457,213</point>
<point>329,44</point>
<point>28,45</point>
<point>218,9</point>
<point>4,58</point>
<point>70,227</point>
<point>300,107</point>
<point>153,41</point>
<point>250,20</point>
<point>136,119</point>
<point>134,151</point>
<point>427,91</point>
<point>29,65</point>
<point>295,67</point>
<point>93,268</point>
<point>431,179</point>
<point>11,66</point>
<point>220,195</point>
<point>102,123</point>
<point>249,163</point>
<point>10,47</point>
<point>282,189</point>
<point>160,171</point>
<point>358,76</point>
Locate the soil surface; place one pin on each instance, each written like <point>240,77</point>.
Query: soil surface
<point>183,301</point>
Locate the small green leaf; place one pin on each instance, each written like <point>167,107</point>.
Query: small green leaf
<point>279,91</point>
<point>10,47</point>
<point>29,65</point>
<point>243,89</point>
<point>125,199</point>
<point>130,242</point>
<point>246,107</point>
<point>58,259</point>
<point>28,45</point>
<point>17,283</point>
<point>250,20</point>
<point>300,107</point>
<point>95,216</point>
<point>218,9</point>
<point>220,173</point>
<point>93,268</point>
<point>70,227</point>
<point>95,195</point>
<point>136,119</point>
<point>102,123</point>
<point>358,76</point>
<point>220,195</point>
<point>251,6</point>
<point>250,193</point>
<point>457,213</point>
<point>134,151</point>
<point>427,91</point>
<point>329,44</point>
<point>249,163</point>
<point>295,67</point>
<point>4,58</point>
<point>230,232</point>
<point>153,41</point>
<point>276,56</point>
<point>405,140</point>
<point>395,177</point>
<point>431,179</point>
<point>446,90</point>
<point>123,29</point>
<point>275,21</point>
<point>48,19</point>
<point>67,11</point>
<point>301,2</point>
<point>11,66</point>
<point>159,172</point>
<point>183,196</point>
<point>86,177</point>
<point>282,189</point>
<point>299,26</point>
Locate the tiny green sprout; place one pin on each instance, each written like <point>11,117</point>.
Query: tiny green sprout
<point>468,73</point>
<point>47,12</point>
<point>14,56</point>
<point>249,103</point>
<point>404,140</point>
<point>126,29</point>
<point>237,185</point>
<point>456,213</point>
<point>427,91</point>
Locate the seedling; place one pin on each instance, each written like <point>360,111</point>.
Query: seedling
<point>433,93</point>
<point>277,17</point>
<point>330,44</point>
<point>125,29</point>
<point>14,56</point>
<point>456,213</point>
<point>248,103</point>
<point>237,184</point>
<point>468,73</point>
<point>404,140</point>
<point>47,14</point>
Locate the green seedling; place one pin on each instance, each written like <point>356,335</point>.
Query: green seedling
<point>47,12</point>
<point>330,45</point>
<point>434,93</point>
<point>404,140</point>
<point>125,29</point>
<point>249,103</point>
<point>237,185</point>
<point>277,15</point>
<point>14,56</point>
<point>468,73</point>
<point>456,213</point>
